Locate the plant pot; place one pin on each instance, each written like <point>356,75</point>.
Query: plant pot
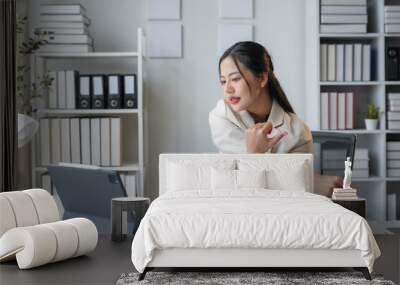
<point>371,124</point>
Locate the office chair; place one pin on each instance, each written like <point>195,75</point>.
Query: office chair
<point>332,140</point>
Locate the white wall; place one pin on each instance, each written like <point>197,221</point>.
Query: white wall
<point>181,92</point>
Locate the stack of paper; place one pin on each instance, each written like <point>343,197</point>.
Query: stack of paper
<point>67,28</point>
<point>393,114</point>
<point>393,158</point>
<point>344,16</point>
<point>392,19</point>
<point>345,62</point>
<point>344,194</point>
<point>333,162</point>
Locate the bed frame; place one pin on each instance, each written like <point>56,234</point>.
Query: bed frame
<point>242,258</point>
<point>256,258</point>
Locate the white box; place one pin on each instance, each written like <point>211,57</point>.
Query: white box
<point>95,140</point>
<point>55,140</point>
<point>65,140</point>
<point>85,141</point>
<point>62,100</point>
<point>105,141</point>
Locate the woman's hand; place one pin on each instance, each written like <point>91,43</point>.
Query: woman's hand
<point>257,140</point>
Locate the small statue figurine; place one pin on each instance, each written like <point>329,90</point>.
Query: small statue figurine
<point>347,174</point>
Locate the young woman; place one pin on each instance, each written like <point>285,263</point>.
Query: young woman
<point>255,115</point>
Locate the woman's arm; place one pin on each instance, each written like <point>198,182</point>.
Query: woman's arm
<point>227,137</point>
<point>305,141</point>
<point>306,147</point>
<point>230,138</point>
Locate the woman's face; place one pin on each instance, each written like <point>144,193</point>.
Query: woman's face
<point>236,91</point>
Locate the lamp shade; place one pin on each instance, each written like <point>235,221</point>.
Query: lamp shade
<point>27,127</point>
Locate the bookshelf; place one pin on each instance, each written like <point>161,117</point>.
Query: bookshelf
<point>376,187</point>
<point>132,120</point>
<point>87,112</point>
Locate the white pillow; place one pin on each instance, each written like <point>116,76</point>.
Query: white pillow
<point>251,178</point>
<point>223,179</point>
<point>281,174</point>
<point>293,180</point>
<point>193,174</point>
<point>236,179</point>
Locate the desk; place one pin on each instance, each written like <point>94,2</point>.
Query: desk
<point>358,205</point>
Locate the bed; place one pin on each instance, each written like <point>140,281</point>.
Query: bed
<point>247,210</point>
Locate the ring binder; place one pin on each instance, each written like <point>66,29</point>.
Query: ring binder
<point>98,96</point>
<point>129,91</point>
<point>85,90</point>
<point>114,92</point>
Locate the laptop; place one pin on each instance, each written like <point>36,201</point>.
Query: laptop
<point>86,191</point>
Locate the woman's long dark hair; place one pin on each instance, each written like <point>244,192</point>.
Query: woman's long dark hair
<point>256,58</point>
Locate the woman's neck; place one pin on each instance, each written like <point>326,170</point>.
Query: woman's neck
<point>261,108</point>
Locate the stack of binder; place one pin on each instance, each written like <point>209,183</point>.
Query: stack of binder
<point>393,158</point>
<point>63,89</point>
<point>345,62</point>
<point>112,91</point>
<point>393,114</point>
<point>392,19</point>
<point>333,162</point>
<point>393,206</point>
<point>67,28</point>
<point>337,110</point>
<point>95,141</point>
<point>344,194</point>
<point>70,90</point>
<point>344,16</point>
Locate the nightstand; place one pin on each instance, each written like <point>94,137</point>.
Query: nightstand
<point>358,205</point>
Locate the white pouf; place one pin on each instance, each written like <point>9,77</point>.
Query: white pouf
<point>31,232</point>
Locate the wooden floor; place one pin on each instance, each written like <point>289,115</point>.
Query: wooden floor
<point>111,259</point>
<point>103,266</point>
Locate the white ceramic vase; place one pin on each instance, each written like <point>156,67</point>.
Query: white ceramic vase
<point>371,124</point>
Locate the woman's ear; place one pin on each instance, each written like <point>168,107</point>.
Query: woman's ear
<point>264,79</point>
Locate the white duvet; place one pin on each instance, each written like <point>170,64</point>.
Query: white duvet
<point>253,218</point>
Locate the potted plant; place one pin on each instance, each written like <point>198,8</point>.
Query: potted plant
<point>28,92</point>
<point>371,121</point>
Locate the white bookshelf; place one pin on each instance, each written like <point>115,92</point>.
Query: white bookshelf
<point>87,54</point>
<point>351,36</point>
<point>376,187</point>
<point>341,83</point>
<point>133,120</point>
<point>85,112</point>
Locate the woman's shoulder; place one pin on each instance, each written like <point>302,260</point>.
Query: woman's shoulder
<point>296,124</point>
<point>298,139</point>
<point>219,109</point>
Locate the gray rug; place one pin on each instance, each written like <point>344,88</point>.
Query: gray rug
<point>228,278</point>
